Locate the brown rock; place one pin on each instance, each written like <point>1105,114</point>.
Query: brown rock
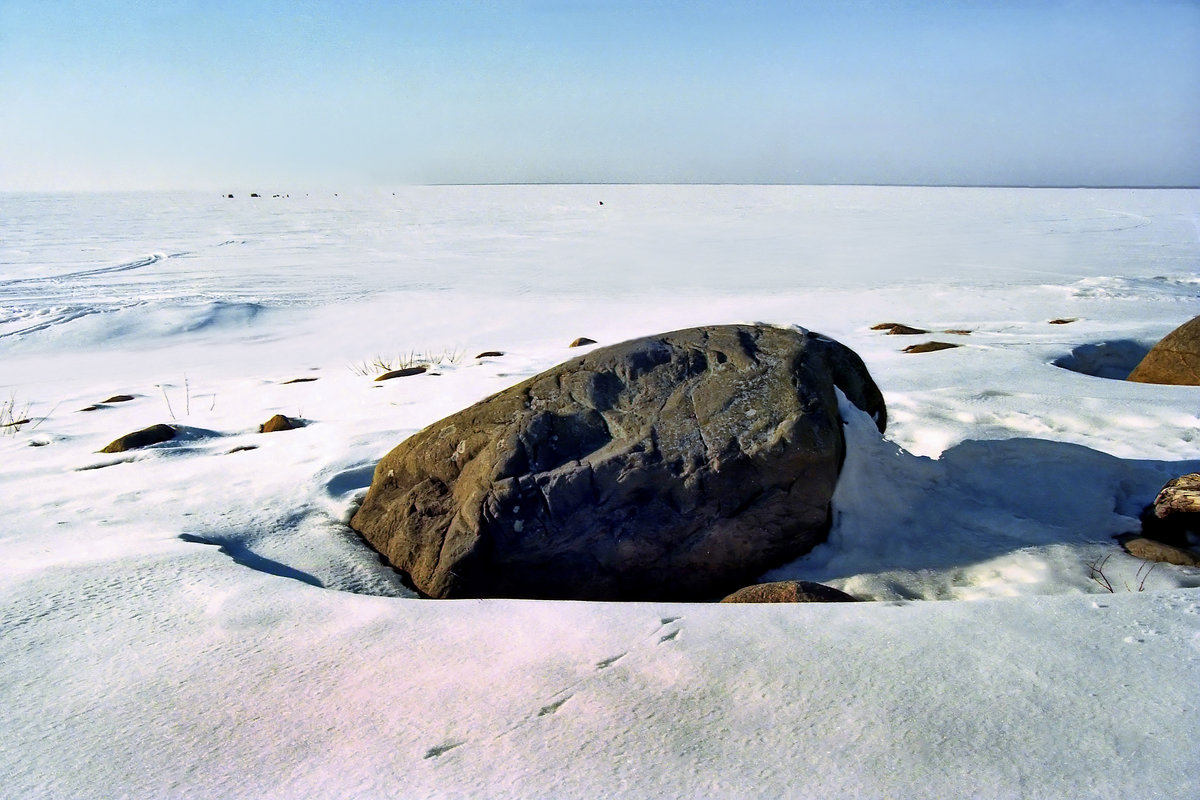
<point>299,380</point>
<point>402,373</point>
<point>143,438</point>
<point>789,592</point>
<point>958,332</point>
<point>1064,320</point>
<point>930,347</point>
<point>581,341</point>
<point>1150,550</point>
<point>676,466</point>
<point>490,354</point>
<point>898,329</point>
<point>280,423</point>
<point>1174,516</point>
<point>119,398</point>
<point>1175,360</point>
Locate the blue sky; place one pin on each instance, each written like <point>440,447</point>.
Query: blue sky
<point>283,96</point>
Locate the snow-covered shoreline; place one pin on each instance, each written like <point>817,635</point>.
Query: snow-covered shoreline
<point>267,653</point>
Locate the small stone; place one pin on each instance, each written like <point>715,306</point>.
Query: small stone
<point>898,329</point>
<point>490,354</point>
<point>402,373</point>
<point>242,448</point>
<point>1064,320</point>
<point>91,408</point>
<point>1150,550</point>
<point>299,380</point>
<point>582,341</point>
<point>280,423</point>
<point>789,592</point>
<point>143,438</point>
<point>958,332</point>
<point>119,398</point>
<point>930,347</point>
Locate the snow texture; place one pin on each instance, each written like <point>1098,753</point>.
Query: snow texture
<point>196,619</point>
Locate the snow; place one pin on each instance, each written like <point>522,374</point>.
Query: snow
<point>196,619</point>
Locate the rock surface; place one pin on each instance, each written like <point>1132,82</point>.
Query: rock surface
<point>930,347</point>
<point>789,592</point>
<point>143,438</point>
<point>280,423</point>
<point>1174,516</point>
<point>1150,550</point>
<point>678,466</point>
<point>402,373</point>
<point>1174,360</point>
<point>898,329</point>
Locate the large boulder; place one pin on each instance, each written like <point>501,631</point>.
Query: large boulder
<point>678,466</point>
<point>1174,360</point>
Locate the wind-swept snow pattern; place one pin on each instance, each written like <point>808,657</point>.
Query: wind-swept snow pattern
<point>196,618</point>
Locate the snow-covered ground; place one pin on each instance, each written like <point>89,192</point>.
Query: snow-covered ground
<point>197,620</point>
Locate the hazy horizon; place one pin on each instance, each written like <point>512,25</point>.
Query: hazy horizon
<point>231,96</point>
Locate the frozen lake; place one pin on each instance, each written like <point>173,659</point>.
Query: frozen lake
<point>196,619</point>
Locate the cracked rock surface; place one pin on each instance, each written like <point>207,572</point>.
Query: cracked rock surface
<point>673,467</point>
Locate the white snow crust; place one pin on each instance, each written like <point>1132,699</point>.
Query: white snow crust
<point>197,620</point>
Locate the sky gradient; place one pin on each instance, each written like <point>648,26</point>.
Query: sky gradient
<point>285,96</point>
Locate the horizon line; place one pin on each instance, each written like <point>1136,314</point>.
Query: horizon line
<point>464,184</point>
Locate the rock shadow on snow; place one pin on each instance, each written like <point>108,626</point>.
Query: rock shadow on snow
<point>912,527</point>
<point>248,558</point>
<point>1112,359</point>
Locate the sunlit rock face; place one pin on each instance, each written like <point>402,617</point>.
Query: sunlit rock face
<point>1174,360</point>
<point>677,466</point>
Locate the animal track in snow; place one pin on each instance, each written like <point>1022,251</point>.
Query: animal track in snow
<point>555,706</point>
<point>608,662</point>
<point>441,749</point>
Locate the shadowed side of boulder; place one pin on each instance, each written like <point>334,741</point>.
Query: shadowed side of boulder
<point>789,592</point>
<point>143,438</point>
<point>677,466</point>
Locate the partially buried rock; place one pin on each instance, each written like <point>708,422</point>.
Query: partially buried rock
<point>898,329</point>
<point>789,592</point>
<point>677,466</point>
<point>280,423</point>
<point>490,354</point>
<point>1150,550</point>
<point>581,342</point>
<point>1174,516</point>
<point>1175,360</point>
<point>143,438</point>
<point>119,398</point>
<point>402,373</point>
<point>930,347</point>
